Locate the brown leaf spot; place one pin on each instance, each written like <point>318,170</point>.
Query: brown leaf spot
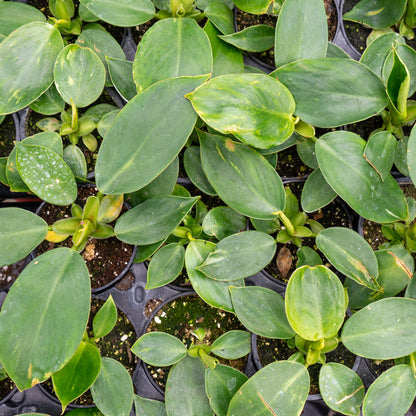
<point>284,261</point>
<point>229,144</point>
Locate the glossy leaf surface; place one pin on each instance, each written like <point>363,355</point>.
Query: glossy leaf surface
<point>149,407</point>
<point>222,222</point>
<point>255,108</point>
<point>316,192</point>
<point>256,38</point>
<point>27,57</point>
<point>105,319</point>
<point>242,177</point>
<point>49,103</point>
<point>75,159</point>
<point>193,167</point>
<point>232,345</point>
<point>121,74</point>
<point>153,140</point>
<point>14,14</point>
<point>38,339</point>
<point>335,86</point>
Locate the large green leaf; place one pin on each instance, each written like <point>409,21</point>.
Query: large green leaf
<point>301,31</point>
<point>183,50</point>
<point>27,57</point>
<point>49,103</point>
<point>21,231</point>
<point>222,222</point>
<point>44,316</point>
<point>280,388</point>
<point>255,108</point>
<point>343,91</point>
<point>392,393</point>
<point>185,389</point>
<point>271,322</point>
<point>377,14</point>
<point>14,14</point>
<point>350,254</point>
<point>232,345</point>
<point>341,388</point>
<point>113,389</point>
<point>149,407</point>
<point>79,75</point>
<point>340,158</point>
<point>316,193</point>
<point>78,375</point>
<point>239,255</point>
<point>382,330</point>
<point>221,383</point>
<point>242,177</point>
<point>214,292</point>
<point>221,16</point>
<point>153,219</point>
<point>46,174</point>
<point>256,38</point>
<point>133,12</point>
<point>159,349</point>
<point>148,133</point>
<point>315,303</point>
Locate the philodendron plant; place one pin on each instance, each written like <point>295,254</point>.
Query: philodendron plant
<point>310,318</point>
<point>195,370</point>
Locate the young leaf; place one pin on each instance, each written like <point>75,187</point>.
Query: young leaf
<point>255,108</point>
<point>256,38</point>
<point>149,407</point>
<point>222,222</point>
<point>30,351</point>
<point>285,392</point>
<point>307,256</point>
<point>113,389</point>
<point>242,177</point>
<point>166,120</point>
<point>37,44</point>
<point>253,6</point>
<point>307,38</point>
<point>272,322</point>
<point>341,388</point>
<point>316,192</point>
<point>15,223</point>
<point>105,319</point>
<point>159,349</point>
<point>183,50</point>
<point>153,219</point>
<point>75,159</point>
<point>232,345</point>
<point>382,330</point>
<point>221,383</point>
<point>239,256</point>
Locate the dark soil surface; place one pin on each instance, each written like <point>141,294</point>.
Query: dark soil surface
<point>105,259</point>
<point>184,315</point>
<point>8,274</point>
<point>289,165</point>
<point>366,127</point>
<point>7,136</point>
<point>6,386</point>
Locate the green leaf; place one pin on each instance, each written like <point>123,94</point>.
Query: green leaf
<point>149,407</point>
<point>103,44</point>
<point>392,393</point>
<point>165,266</point>
<point>3,166</point>
<point>379,152</point>
<point>213,292</point>
<point>89,411</point>
<point>377,14</point>
<point>159,349</point>
<point>46,174</point>
<point>79,75</point>
<point>121,74</point>
<point>255,108</point>
<point>301,31</point>
<point>13,15</point>
<point>113,390</point>
<point>78,375</point>
<point>382,330</point>
<point>106,121</point>
<point>316,193</point>
<point>242,177</point>
<point>341,388</point>
<point>221,384</point>
<point>16,223</point>
<point>185,389</point>
<point>226,58</point>
<point>110,208</point>
<point>411,154</point>
<point>232,345</point>
<point>153,219</point>
<point>350,254</point>
<point>183,50</point>
<point>284,392</point>
<point>133,12</point>
<point>156,137</point>
<point>105,319</point>
<point>50,102</point>
<point>335,51</point>
<point>253,6</point>
<point>307,256</point>
<point>272,322</point>
<point>256,38</point>
<point>146,251</point>
<point>334,86</point>
<point>36,44</point>
<point>30,351</point>
<point>98,111</point>
<point>193,167</point>
<point>75,159</point>
<point>239,256</point>
<point>340,158</point>
<point>221,16</point>
<point>222,222</point>
<point>315,303</point>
